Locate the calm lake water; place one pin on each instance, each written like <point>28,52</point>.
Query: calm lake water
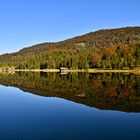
<point>80,106</point>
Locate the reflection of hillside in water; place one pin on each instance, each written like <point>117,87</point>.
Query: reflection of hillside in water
<point>103,91</point>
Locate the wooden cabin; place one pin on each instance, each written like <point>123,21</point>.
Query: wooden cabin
<point>64,70</point>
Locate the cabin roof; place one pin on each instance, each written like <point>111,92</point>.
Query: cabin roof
<point>63,68</point>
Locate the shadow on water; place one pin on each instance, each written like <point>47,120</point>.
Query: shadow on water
<point>103,91</point>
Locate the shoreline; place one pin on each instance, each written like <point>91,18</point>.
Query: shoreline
<point>137,71</point>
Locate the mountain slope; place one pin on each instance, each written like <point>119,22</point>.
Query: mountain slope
<point>89,51</point>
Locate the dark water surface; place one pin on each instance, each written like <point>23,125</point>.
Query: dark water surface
<point>50,106</point>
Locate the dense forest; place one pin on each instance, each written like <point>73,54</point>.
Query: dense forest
<point>103,49</point>
<point>104,91</point>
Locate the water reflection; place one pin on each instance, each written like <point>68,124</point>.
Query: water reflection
<point>104,91</point>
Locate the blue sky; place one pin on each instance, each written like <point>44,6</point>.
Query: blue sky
<point>27,22</point>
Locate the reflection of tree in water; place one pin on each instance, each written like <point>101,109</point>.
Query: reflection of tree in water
<point>104,91</point>
<point>138,85</point>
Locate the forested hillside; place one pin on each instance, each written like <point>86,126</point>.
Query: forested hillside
<point>103,49</point>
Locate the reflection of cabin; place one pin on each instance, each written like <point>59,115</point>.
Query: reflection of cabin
<point>64,70</point>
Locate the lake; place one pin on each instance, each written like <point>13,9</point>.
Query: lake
<point>75,106</point>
